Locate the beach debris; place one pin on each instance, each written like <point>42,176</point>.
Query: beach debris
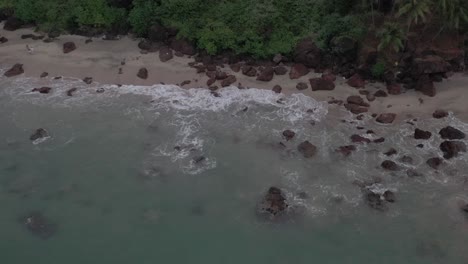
<point>44,74</point>
<point>248,70</point>
<point>298,70</point>
<point>450,132</point>
<point>40,133</point>
<point>273,204</point>
<point>434,162</point>
<point>42,90</point>
<point>13,23</point>
<point>386,118</point>
<point>307,149</point>
<point>88,80</point>
<point>277,89</point>
<point>228,81</point>
<point>346,150</point>
<point>71,91</point>
<point>266,74</point>
<point>302,86</point>
<point>438,114</point>
<point>389,165</point>
<point>165,54</point>
<point>322,84</point>
<point>422,134</point>
<point>17,69</point>
<point>452,148</point>
<point>280,70</point>
<point>36,223</point>
<point>356,81</point>
<point>68,47</point>
<point>143,73</point>
<point>288,134</point>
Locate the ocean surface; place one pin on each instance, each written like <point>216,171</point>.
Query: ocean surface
<point>168,175</point>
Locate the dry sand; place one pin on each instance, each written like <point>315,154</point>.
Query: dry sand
<point>101,59</point>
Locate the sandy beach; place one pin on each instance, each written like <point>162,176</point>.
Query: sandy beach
<point>101,60</point>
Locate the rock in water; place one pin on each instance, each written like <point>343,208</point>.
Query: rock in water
<point>389,165</point>
<point>88,80</point>
<point>143,73</point>
<point>71,91</point>
<point>38,225</point>
<point>42,90</point>
<point>273,204</point>
<point>452,148</point>
<point>451,133</point>
<point>421,134</point>
<point>434,162</point>
<point>277,89</point>
<point>288,134</point>
<point>17,69</point>
<point>440,114</point>
<point>307,149</point>
<point>38,134</point>
<point>387,118</point>
<point>69,47</point>
<point>44,74</point>
<point>346,150</point>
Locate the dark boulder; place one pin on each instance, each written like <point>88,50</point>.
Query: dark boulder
<point>88,80</point>
<point>359,139</point>
<point>12,24</point>
<point>210,82</point>
<point>380,93</point>
<point>277,89</point>
<point>248,70</point>
<point>165,54</point>
<point>38,134</point>
<point>142,73</point>
<point>356,81</point>
<point>44,74</point>
<point>452,148</point>
<point>307,53</point>
<point>421,134</point>
<point>357,100</point>
<point>273,203</point>
<point>38,225</point>
<point>356,109</point>
<point>220,75</point>
<point>280,70</point>
<point>434,162</point>
<point>307,149</point>
<point>321,84</point>
<point>17,69</point>
<point>3,40</point>
<point>391,152</point>
<point>440,114</point>
<point>394,88</point>
<point>266,74</point>
<point>389,165</point>
<point>297,71</point>
<point>451,133</point>
<point>426,86</point>
<point>42,90</point>
<point>389,196</point>
<point>183,46</point>
<point>377,200</point>
<point>386,118</point>
<point>231,79</point>
<point>71,91</point>
<point>236,67</point>
<point>69,47</point>
<point>157,33</point>
<point>149,46</point>
<point>288,134</point>
<point>329,77</point>
<point>302,86</point>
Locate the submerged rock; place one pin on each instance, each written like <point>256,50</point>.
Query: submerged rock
<point>17,69</point>
<point>273,203</point>
<point>451,133</point>
<point>288,134</point>
<point>346,150</point>
<point>452,148</point>
<point>38,134</point>
<point>44,74</point>
<point>389,165</point>
<point>38,225</point>
<point>434,162</point>
<point>42,90</point>
<point>71,91</point>
<point>359,139</point>
<point>307,149</point>
<point>377,200</point>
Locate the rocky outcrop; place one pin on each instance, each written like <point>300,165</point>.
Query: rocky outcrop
<point>142,73</point>
<point>38,225</point>
<point>38,134</point>
<point>429,64</point>
<point>68,47</point>
<point>452,148</point>
<point>426,86</point>
<point>273,203</point>
<point>12,24</point>
<point>183,46</point>
<point>422,134</point>
<point>322,84</point>
<point>266,74</point>
<point>165,54</point>
<point>307,149</point>
<point>248,70</point>
<point>17,69</point>
<point>157,33</point>
<point>451,133</point>
<point>298,70</point>
<point>307,53</point>
<point>386,118</point>
<point>42,90</point>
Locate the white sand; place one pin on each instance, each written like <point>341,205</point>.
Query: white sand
<point>102,59</point>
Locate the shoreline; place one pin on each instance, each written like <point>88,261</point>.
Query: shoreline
<point>101,60</point>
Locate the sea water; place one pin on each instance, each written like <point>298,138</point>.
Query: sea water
<point>163,174</point>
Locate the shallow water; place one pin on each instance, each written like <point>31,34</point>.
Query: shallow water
<point>119,179</point>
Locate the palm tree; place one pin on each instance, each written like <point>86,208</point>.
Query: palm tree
<point>391,36</point>
<point>453,12</point>
<point>415,11</point>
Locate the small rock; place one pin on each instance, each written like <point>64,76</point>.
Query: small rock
<point>199,159</point>
<point>357,100</point>
<point>42,90</point>
<point>307,149</point>
<point>356,109</point>
<point>143,73</point>
<point>370,97</point>
<point>380,93</point>
<point>3,40</point>
<point>406,159</point>
<point>359,139</point>
<point>87,41</point>
<point>44,74</point>
<point>379,140</point>
<point>280,70</point>
<point>421,134</point>
<point>288,134</point>
<point>165,54</point>
<point>321,84</point>
<point>394,88</point>
<point>39,133</point>
<point>356,81</point>
<point>302,86</point>
<point>389,196</point>
<point>228,81</point>
<point>220,75</point>
<point>12,24</point>
<point>185,82</point>
<point>412,173</point>
<point>235,67</point>
<point>450,132</point>
<point>277,89</point>
<point>329,77</point>
<point>248,70</point>
<point>274,203</point>
<point>69,47</point>
<point>17,69</point>
<point>440,114</point>
<point>389,165</point>
<point>266,74</point>
<point>71,91</point>
<point>100,90</point>
<point>88,80</point>
<point>387,118</point>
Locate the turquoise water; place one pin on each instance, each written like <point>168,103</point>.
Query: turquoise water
<point>119,192</point>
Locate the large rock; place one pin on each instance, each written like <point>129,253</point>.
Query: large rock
<point>38,134</point>
<point>142,73</point>
<point>356,81</point>
<point>280,70</point>
<point>426,86</point>
<point>157,33</point>
<point>38,225</point>
<point>307,149</point>
<point>17,69</point>
<point>183,46</point>
<point>68,47</point>
<point>322,84</point>
<point>165,54</point>
<point>248,70</point>
<point>452,148</point>
<point>429,64</point>
<point>231,79</point>
<point>298,70</point>
<point>273,203</point>
<point>307,53</point>
<point>450,132</point>
<point>386,118</point>
<point>422,134</point>
<point>12,24</point>
<point>266,74</point>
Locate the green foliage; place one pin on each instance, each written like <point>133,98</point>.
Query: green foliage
<point>454,12</point>
<point>391,36</point>
<point>378,70</point>
<point>335,25</point>
<point>142,16</point>
<point>415,10</point>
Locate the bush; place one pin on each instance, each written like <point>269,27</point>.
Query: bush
<point>378,70</point>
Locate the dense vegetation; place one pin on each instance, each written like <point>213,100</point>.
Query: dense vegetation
<point>257,27</point>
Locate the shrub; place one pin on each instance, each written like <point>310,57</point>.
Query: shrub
<point>378,70</point>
